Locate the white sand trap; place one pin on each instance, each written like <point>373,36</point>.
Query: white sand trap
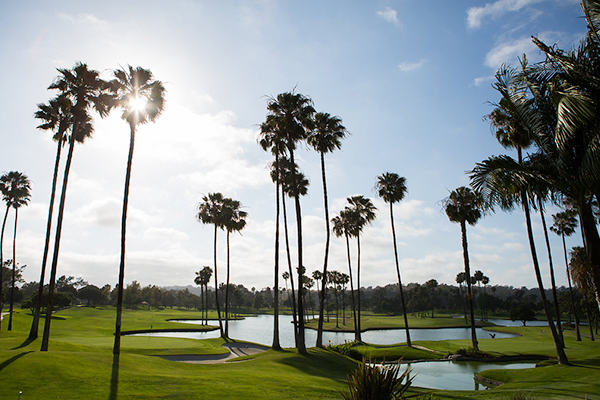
<point>235,350</point>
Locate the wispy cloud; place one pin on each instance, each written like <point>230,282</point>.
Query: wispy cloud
<point>481,80</point>
<point>508,52</point>
<point>390,15</point>
<point>411,66</point>
<point>475,15</point>
<point>86,19</point>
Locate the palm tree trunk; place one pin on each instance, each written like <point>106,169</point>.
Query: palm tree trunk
<point>560,352</point>
<point>591,241</point>
<point>321,298</point>
<point>14,268</point>
<point>408,342</point>
<point>291,271</point>
<point>552,280</point>
<point>120,289</point>
<point>33,333</point>
<point>1,254</point>
<point>356,336</point>
<point>571,290</point>
<point>227,292</point>
<point>276,345</point>
<point>463,230</point>
<point>301,342</point>
<point>358,330</point>
<point>57,235</point>
<point>217,286</point>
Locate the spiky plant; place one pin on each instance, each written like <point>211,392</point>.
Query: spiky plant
<point>370,382</point>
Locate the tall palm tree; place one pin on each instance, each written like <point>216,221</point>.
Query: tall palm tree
<point>581,272</point>
<point>564,225</point>
<point>391,187</point>
<point>344,226</point>
<point>326,136</point>
<point>210,211</point>
<point>463,206</point>
<point>86,90</point>
<point>269,140</point>
<point>202,279</point>
<point>234,220</point>
<point>363,213</point>
<point>16,192</point>
<point>291,115</point>
<point>55,116</point>
<point>460,278</point>
<point>141,98</point>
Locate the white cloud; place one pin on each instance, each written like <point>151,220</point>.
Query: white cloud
<point>508,52</point>
<point>475,15</point>
<point>390,15</point>
<point>411,66</point>
<point>88,19</point>
<point>482,79</point>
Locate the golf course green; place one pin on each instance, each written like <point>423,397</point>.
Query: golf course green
<point>80,363</point>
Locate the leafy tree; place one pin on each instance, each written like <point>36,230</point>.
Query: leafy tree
<point>463,207</point>
<point>325,138</point>
<point>391,187</point>
<point>141,98</point>
<point>461,278</point>
<point>84,88</point>
<point>91,294</point>
<point>523,313</point>
<point>581,272</point>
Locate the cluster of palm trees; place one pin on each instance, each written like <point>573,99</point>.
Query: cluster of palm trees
<point>223,213</point>
<point>291,120</point>
<point>551,110</point>
<point>16,193</point>
<point>68,115</point>
<point>202,279</point>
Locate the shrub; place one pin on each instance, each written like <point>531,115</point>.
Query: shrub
<point>346,349</point>
<point>472,352</point>
<point>381,382</point>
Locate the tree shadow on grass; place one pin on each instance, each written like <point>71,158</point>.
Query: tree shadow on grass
<point>114,378</point>
<point>321,363</point>
<point>13,359</point>
<point>26,343</point>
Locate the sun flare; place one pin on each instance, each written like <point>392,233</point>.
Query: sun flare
<point>137,104</point>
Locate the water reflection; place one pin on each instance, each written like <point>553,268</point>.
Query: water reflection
<point>259,329</point>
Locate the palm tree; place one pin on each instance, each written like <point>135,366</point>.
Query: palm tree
<point>317,276</point>
<point>210,211</point>
<point>363,213</point>
<point>325,138</point>
<point>55,116</point>
<point>142,100</point>
<point>84,88</point>
<point>234,220</point>
<point>460,278</point>
<point>15,187</point>
<point>269,140</point>
<point>202,279</point>
<point>506,182</point>
<point>343,226</point>
<point>581,272</point>
<point>463,206</point>
<point>290,115</point>
<point>391,187</point>
<point>564,225</point>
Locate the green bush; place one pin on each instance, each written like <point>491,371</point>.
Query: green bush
<point>346,349</point>
<point>472,352</point>
<point>380,382</point>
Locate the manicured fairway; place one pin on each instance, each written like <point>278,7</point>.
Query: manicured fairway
<point>80,363</point>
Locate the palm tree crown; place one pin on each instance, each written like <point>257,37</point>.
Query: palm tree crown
<point>391,187</point>
<point>463,205</point>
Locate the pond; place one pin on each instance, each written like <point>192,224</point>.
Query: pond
<point>259,330</point>
<point>454,375</point>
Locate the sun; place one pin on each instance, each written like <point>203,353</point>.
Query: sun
<point>137,104</point>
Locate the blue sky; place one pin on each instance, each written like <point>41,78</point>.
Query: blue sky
<point>411,81</point>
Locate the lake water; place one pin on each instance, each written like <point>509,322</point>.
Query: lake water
<point>448,375</point>
<point>259,329</point>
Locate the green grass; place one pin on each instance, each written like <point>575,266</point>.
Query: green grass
<point>80,363</point>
